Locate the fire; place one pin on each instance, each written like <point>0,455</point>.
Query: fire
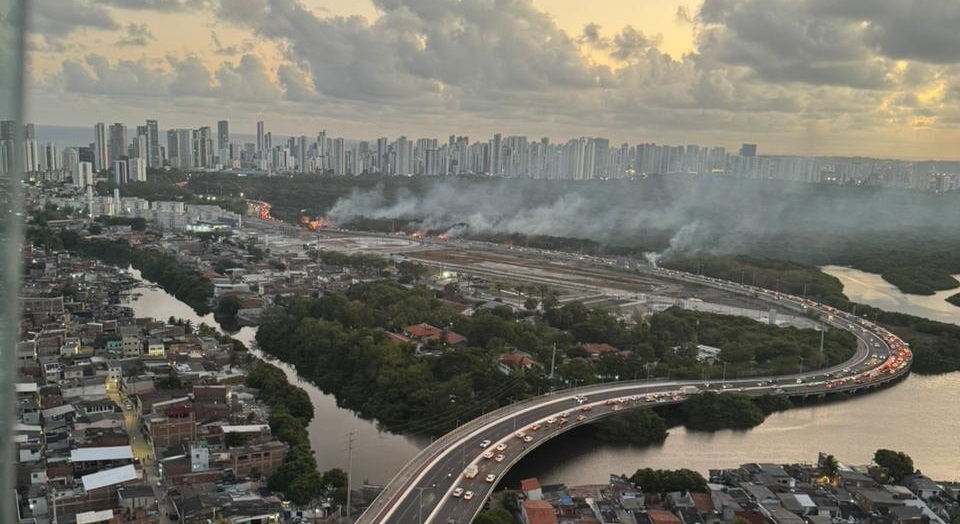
<point>416,234</point>
<point>265,211</point>
<point>313,225</point>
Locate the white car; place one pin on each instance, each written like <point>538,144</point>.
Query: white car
<point>468,495</point>
<point>457,492</point>
<point>485,443</point>
<point>490,478</point>
<point>488,454</point>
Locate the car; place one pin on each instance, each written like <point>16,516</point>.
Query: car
<point>487,454</point>
<point>499,458</point>
<point>490,478</point>
<point>535,426</point>
<point>564,414</point>
<point>586,408</point>
<point>468,495</point>
<point>501,446</point>
<point>528,439</point>
<point>551,420</point>
<point>617,408</point>
<point>485,443</point>
<point>457,492</point>
<point>520,434</point>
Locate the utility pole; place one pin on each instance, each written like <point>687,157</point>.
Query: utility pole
<point>349,469</point>
<point>553,361</point>
<point>823,332</point>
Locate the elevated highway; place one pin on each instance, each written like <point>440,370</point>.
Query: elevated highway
<point>428,489</point>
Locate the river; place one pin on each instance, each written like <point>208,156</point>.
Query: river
<point>917,416</point>
<point>872,289</point>
<point>377,455</point>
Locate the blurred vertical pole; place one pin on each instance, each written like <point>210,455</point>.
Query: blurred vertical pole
<point>11,177</point>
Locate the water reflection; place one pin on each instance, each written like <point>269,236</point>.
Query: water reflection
<point>872,289</point>
<point>377,456</point>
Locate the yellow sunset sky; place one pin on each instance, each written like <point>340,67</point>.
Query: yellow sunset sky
<point>802,77</point>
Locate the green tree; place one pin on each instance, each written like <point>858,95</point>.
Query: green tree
<point>641,427</point>
<point>336,478</point>
<point>897,463</point>
<point>829,467</point>
<point>709,411</point>
<point>494,516</point>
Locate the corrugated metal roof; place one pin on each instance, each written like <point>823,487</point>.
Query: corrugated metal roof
<point>58,411</point>
<point>109,477</point>
<point>92,517</point>
<point>101,453</point>
<point>250,428</point>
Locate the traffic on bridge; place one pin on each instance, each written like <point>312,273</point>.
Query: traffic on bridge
<point>449,481</point>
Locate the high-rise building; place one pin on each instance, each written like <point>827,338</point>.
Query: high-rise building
<point>748,150</point>
<point>137,169</point>
<point>69,159</point>
<point>203,147</point>
<point>261,145</point>
<point>171,149</point>
<point>223,135</point>
<point>118,141</point>
<point>138,148</point>
<point>154,159</point>
<point>101,152</point>
<point>184,143</point>
<point>84,175</point>
<point>51,160</point>
<point>121,174</point>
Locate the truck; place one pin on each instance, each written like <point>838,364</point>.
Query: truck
<point>689,390</point>
<point>471,471</point>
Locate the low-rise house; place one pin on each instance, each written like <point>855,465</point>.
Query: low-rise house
<point>516,361</point>
<point>260,459</point>
<point>537,512</point>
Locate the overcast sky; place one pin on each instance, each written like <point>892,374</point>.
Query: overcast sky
<point>850,77</point>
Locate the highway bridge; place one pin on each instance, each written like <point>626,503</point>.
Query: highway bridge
<point>433,487</point>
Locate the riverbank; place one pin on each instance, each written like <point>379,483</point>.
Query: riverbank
<point>888,419</point>
<point>873,290</point>
<point>377,455</point>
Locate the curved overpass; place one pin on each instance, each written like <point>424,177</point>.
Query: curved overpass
<point>424,489</point>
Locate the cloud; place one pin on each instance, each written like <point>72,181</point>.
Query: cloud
<point>789,41</point>
<point>159,5</point>
<point>229,50</point>
<point>779,68</point>
<point>630,44</point>
<point>591,36</point>
<point>248,81</point>
<point>137,35</point>
<point>60,18</point>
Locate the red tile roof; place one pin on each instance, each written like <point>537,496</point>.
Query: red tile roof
<point>529,484</point>
<point>539,512</point>
<point>426,333</point>
<point>662,516</point>
<point>422,331</point>
<point>517,360</point>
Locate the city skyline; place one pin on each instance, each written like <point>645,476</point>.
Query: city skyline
<point>812,79</point>
<point>578,158</point>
